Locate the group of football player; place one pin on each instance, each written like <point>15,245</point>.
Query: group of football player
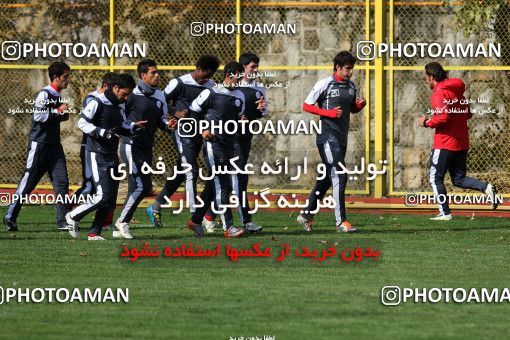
<point>128,113</point>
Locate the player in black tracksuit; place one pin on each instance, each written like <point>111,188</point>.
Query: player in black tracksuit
<point>336,97</point>
<point>181,92</point>
<point>146,103</point>
<point>254,95</point>
<point>219,105</point>
<point>45,152</point>
<point>87,186</point>
<point>103,119</point>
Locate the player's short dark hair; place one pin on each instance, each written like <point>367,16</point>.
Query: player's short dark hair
<point>435,70</point>
<point>107,78</point>
<point>343,58</point>
<point>232,68</point>
<point>247,58</point>
<point>208,63</point>
<point>57,69</point>
<point>123,80</point>
<point>143,66</point>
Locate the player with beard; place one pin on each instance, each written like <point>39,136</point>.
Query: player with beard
<point>103,120</point>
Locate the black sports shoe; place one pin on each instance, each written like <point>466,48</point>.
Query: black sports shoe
<point>10,225</point>
<point>62,227</point>
<point>197,228</point>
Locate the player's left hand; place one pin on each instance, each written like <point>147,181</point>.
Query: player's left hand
<point>261,104</point>
<point>138,128</point>
<point>207,135</point>
<point>62,110</point>
<point>63,107</point>
<point>422,120</point>
<point>361,101</point>
<point>172,124</point>
<point>141,123</point>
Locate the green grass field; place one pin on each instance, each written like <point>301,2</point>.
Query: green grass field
<point>298,299</point>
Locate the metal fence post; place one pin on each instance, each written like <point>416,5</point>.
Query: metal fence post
<point>112,32</point>
<point>238,35</point>
<point>380,98</point>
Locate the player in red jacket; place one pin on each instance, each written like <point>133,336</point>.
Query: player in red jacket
<point>451,139</point>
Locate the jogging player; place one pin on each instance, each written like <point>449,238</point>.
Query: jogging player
<point>103,119</point>
<point>45,152</point>
<point>181,92</point>
<point>146,103</point>
<point>87,187</point>
<point>254,94</point>
<point>218,106</point>
<point>336,98</point>
<point>451,138</point>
